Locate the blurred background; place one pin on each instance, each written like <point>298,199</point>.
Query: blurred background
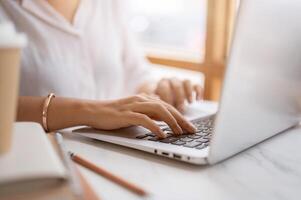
<point>186,38</point>
<point>170,27</point>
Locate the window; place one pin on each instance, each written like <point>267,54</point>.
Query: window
<point>191,34</point>
<point>170,28</point>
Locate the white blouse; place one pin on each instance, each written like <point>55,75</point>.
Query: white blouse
<point>95,57</point>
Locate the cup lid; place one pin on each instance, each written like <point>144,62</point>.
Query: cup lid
<point>9,38</point>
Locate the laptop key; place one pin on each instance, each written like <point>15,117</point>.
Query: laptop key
<point>194,136</point>
<point>201,126</point>
<point>202,140</point>
<point>178,142</point>
<point>202,146</point>
<point>141,136</point>
<point>169,140</point>
<point>192,144</point>
<point>186,139</point>
<point>200,133</point>
<point>155,139</point>
<point>166,129</point>
<point>207,137</point>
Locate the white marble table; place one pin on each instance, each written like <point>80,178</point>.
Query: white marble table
<point>268,171</point>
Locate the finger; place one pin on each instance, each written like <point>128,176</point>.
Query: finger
<point>199,92</point>
<point>188,90</point>
<point>159,112</point>
<point>182,121</point>
<point>154,97</point>
<point>164,91</point>
<point>179,94</point>
<point>143,120</point>
<point>134,98</point>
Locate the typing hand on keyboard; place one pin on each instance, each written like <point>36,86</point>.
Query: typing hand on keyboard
<point>139,110</point>
<point>199,140</point>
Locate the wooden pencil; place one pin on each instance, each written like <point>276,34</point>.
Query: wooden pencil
<point>97,169</point>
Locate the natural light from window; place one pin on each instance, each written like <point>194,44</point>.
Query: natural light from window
<point>170,28</point>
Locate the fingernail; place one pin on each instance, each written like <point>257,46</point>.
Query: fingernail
<point>190,99</point>
<point>179,131</point>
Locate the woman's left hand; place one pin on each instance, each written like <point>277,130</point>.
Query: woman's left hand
<point>176,92</point>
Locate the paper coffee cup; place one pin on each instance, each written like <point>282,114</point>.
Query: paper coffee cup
<point>11,44</point>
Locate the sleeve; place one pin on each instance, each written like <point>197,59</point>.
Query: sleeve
<point>137,69</point>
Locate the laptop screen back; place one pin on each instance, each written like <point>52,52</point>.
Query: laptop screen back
<point>262,86</point>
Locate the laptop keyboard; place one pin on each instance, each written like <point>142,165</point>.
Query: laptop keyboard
<point>199,140</point>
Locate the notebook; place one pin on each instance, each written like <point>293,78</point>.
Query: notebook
<point>33,169</point>
<point>32,160</point>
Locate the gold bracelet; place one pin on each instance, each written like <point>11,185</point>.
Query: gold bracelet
<point>45,111</point>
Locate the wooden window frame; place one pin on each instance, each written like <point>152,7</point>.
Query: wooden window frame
<point>220,18</point>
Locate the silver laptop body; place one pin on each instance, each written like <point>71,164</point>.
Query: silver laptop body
<point>261,91</point>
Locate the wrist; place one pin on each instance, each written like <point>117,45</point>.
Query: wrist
<point>91,111</point>
<point>67,112</point>
<point>86,112</point>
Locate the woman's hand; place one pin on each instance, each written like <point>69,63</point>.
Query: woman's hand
<point>176,92</point>
<point>107,115</point>
<point>137,110</point>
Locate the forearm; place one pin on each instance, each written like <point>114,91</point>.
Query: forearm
<point>106,115</point>
<point>62,112</point>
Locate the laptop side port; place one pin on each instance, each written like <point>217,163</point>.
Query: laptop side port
<point>164,153</point>
<point>177,156</point>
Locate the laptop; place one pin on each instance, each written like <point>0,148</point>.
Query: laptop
<point>260,97</point>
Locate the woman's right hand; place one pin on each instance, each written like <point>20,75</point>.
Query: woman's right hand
<point>137,110</point>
